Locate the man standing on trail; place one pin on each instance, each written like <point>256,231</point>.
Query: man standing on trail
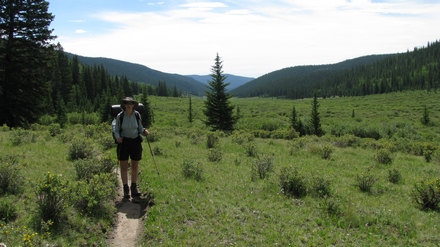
<point>127,133</point>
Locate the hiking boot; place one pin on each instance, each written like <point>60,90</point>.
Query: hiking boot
<point>135,191</point>
<point>126,191</point>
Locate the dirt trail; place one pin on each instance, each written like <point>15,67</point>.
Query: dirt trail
<point>130,220</point>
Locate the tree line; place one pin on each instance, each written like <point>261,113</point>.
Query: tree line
<point>375,74</point>
<point>38,78</point>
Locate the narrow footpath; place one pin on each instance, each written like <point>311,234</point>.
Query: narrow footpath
<point>130,220</point>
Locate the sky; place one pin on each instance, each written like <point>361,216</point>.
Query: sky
<point>252,37</point>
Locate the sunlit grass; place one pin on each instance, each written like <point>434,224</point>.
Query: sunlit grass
<point>228,207</point>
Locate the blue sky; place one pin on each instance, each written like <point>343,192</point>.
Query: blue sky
<point>252,37</point>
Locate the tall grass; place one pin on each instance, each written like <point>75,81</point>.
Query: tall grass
<point>204,202</point>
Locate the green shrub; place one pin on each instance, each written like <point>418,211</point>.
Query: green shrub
<point>292,182</point>
<point>52,194</point>
<point>196,136</point>
<point>332,206</point>
<point>383,156</point>
<point>429,150</point>
<point>241,137</point>
<point>394,176</point>
<point>47,120</point>
<point>426,194</point>
<point>365,181</point>
<point>5,128</point>
<point>54,129</point>
<point>347,141</point>
<point>8,210</point>
<point>87,168</point>
<point>212,140</point>
<point>10,176</point>
<point>215,154</point>
<point>251,149</point>
<point>261,167</point>
<point>93,197</point>
<point>320,187</point>
<point>20,136</point>
<point>192,169</point>
<point>80,149</point>
<point>326,152</point>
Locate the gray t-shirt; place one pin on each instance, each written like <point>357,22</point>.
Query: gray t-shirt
<point>131,128</point>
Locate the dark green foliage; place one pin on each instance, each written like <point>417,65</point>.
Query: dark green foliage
<point>365,181</point>
<point>52,197</point>
<point>425,119</point>
<point>215,154</point>
<point>25,52</point>
<point>10,177</point>
<point>296,123</point>
<point>8,211</point>
<point>394,176</point>
<point>320,187</point>
<point>315,120</point>
<point>93,196</point>
<point>292,182</point>
<point>218,110</point>
<point>383,156</point>
<point>190,111</point>
<point>426,194</point>
<point>192,169</point>
<point>87,168</point>
<point>20,136</point>
<point>212,140</point>
<point>148,115</point>
<point>80,149</point>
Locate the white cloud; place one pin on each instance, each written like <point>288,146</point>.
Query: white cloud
<point>255,39</point>
<point>80,31</point>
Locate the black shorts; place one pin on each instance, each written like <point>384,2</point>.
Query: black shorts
<point>129,148</point>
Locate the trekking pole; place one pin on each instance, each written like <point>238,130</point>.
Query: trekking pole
<point>151,151</point>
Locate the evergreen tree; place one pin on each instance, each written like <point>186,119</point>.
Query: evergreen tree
<point>105,107</point>
<point>147,116</point>
<point>60,109</point>
<point>315,121</point>
<point>25,53</point>
<point>294,119</point>
<point>425,118</point>
<point>190,112</point>
<point>218,109</point>
<point>296,123</point>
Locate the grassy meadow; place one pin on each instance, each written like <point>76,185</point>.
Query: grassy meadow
<point>355,186</point>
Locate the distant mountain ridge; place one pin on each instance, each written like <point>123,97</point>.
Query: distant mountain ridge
<point>301,76</point>
<point>234,80</point>
<point>143,74</point>
<point>368,74</point>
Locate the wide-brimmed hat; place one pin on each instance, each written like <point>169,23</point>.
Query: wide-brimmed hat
<point>129,99</point>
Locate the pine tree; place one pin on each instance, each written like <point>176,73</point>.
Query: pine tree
<point>147,115</point>
<point>190,112</point>
<point>218,110</point>
<point>315,121</point>
<point>25,52</point>
<point>296,123</point>
<point>60,109</point>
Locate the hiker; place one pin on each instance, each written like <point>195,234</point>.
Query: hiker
<point>129,142</point>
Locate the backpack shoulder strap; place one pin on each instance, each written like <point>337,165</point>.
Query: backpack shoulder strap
<point>138,115</point>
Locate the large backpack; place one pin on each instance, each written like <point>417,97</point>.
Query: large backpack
<point>117,110</point>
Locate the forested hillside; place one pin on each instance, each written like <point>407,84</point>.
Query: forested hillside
<point>140,73</point>
<point>418,69</point>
